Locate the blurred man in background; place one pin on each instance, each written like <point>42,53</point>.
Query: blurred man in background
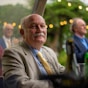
<point>6,40</point>
<point>78,28</point>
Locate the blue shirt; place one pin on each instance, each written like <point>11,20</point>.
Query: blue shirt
<point>84,43</point>
<point>83,40</point>
<point>42,69</point>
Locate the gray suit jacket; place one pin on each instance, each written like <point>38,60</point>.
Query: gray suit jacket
<point>21,71</point>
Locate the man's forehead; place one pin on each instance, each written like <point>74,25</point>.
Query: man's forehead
<point>36,18</point>
<point>33,19</point>
<point>36,21</point>
<point>80,20</point>
<point>8,26</point>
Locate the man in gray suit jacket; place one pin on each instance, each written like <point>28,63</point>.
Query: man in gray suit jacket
<point>21,66</point>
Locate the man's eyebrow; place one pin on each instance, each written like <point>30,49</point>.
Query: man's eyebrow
<point>37,23</point>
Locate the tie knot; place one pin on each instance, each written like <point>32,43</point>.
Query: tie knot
<point>40,56</point>
<point>39,53</point>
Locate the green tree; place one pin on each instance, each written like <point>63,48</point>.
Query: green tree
<point>57,12</point>
<point>13,13</point>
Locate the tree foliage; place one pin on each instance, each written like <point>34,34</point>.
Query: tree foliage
<point>57,12</point>
<point>12,13</point>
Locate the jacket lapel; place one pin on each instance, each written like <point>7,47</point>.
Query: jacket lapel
<point>78,43</point>
<point>30,58</point>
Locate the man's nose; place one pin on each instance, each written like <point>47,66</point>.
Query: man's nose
<point>39,28</point>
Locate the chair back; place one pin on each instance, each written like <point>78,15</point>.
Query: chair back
<point>1,82</point>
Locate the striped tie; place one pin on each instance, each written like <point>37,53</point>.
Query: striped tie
<point>44,63</point>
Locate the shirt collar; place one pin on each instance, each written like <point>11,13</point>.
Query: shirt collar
<point>80,37</point>
<point>35,51</point>
<point>8,39</point>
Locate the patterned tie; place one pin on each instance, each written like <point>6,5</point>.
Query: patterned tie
<point>44,63</point>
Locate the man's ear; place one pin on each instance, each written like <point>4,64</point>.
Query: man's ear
<point>22,32</point>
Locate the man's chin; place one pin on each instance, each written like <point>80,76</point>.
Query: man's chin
<point>40,41</point>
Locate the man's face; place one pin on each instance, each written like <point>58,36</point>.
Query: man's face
<point>81,27</point>
<point>36,32</point>
<point>8,32</point>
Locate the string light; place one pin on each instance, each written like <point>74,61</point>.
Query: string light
<point>59,0</point>
<point>69,4</point>
<point>86,8</point>
<point>86,26</point>
<point>70,21</point>
<point>80,7</point>
<point>61,23</point>
<point>50,25</point>
<point>65,22</point>
<point>19,26</point>
<point>14,24</point>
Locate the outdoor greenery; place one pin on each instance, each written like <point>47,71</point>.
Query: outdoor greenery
<point>62,58</point>
<point>11,14</point>
<point>55,14</point>
<point>63,11</point>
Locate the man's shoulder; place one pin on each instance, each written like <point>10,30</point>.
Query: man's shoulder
<point>48,49</point>
<point>20,47</point>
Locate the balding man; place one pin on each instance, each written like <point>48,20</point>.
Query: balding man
<point>78,27</point>
<point>5,41</point>
<point>22,65</point>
